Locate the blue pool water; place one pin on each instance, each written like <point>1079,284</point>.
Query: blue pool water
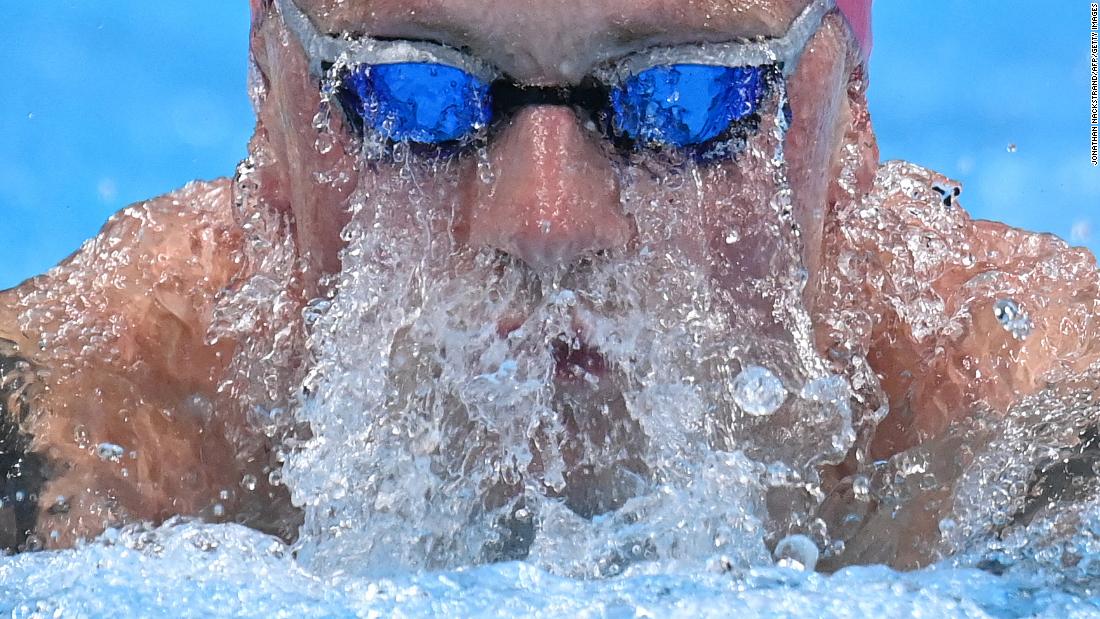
<point>105,104</point>
<point>225,570</point>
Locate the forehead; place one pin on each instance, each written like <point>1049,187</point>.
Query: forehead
<point>554,40</point>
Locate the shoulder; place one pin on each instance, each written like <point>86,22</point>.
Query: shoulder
<point>119,342</point>
<point>983,288</point>
<point>188,234</point>
<point>117,328</point>
<point>173,233</point>
<point>153,263</point>
<point>954,312</point>
<point>133,302</point>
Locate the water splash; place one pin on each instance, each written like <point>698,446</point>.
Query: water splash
<point>227,570</point>
<point>455,407</point>
<point>464,408</point>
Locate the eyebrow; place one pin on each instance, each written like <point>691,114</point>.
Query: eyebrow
<point>323,49</point>
<point>728,21</point>
<point>784,50</point>
<point>733,27</point>
<point>760,18</point>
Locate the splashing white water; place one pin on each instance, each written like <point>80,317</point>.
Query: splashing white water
<point>465,408</point>
<point>459,408</point>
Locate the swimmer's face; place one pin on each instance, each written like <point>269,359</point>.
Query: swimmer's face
<point>543,186</point>
<point>549,295</point>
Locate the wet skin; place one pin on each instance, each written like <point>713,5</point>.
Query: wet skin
<point>114,350</point>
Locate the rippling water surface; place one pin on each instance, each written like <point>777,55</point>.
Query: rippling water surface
<point>225,570</point>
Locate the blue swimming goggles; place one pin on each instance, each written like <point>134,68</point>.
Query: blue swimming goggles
<point>431,94</point>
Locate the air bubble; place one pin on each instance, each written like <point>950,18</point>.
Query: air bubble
<point>758,391</point>
<point>796,552</point>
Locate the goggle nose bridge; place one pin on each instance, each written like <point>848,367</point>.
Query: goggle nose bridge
<point>509,96</point>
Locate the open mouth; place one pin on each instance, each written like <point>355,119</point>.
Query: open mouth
<point>574,359</point>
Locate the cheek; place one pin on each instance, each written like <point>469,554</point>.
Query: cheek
<point>421,197</point>
<point>309,164</point>
<point>747,239</point>
<point>720,217</point>
<point>817,94</point>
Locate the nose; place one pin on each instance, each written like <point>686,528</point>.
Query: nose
<point>553,196</point>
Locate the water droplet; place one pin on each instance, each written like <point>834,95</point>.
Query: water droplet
<point>1013,318</point>
<point>109,452</point>
<point>796,552</point>
<point>566,297</point>
<point>505,373</point>
<point>777,474</point>
<point>485,171</point>
<point>830,389</point>
<point>325,142</point>
<point>673,179</point>
<point>321,118</point>
<point>947,526</point>
<point>80,435</point>
<point>758,392</point>
<point>861,487</point>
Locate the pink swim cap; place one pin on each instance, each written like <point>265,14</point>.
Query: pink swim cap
<point>858,13</point>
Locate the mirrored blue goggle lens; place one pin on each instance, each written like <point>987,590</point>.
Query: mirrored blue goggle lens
<point>685,104</point>
<point>418,101</point>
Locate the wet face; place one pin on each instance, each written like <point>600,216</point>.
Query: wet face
<point>554,196</point>
<point>546,312</point>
